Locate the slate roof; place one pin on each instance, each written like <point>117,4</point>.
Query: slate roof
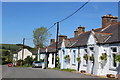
<point>52,48</point>
<point>115,30</point>
<point>69,42</point>
<point>34,52</point>
<point>101,37</point>
<point>109,34</point>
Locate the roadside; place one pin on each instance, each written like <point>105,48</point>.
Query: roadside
<point>74,71</point>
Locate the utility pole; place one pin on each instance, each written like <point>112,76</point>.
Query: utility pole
<point>56,61</point>
<point>23,49</point>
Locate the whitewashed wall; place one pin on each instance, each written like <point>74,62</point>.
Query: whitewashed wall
<point>50,65</point>
<point>26,53</point>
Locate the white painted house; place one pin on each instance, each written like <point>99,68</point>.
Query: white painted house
<point>21,55</point>
<point>95,42</point>
<point>89,46</point>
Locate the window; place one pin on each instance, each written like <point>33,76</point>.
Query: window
<point>53,58</point>
<point>74,56</point>
<point>114,49</point>
<point>114,62</point>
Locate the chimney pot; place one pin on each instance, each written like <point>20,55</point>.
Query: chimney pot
<point>108,19</point>
<point>61,37</point>
<point>52,41</point>
<point>79,30</point>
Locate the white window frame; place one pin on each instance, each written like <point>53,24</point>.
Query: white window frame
<point>111,61</point>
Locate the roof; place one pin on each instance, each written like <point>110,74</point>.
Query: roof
<point>115,30</point>
<point>101,37</point>
<point>82,39</point>
<point>34,52</point>
<point>109,34</point>
<point>69,42</point>
<point>52,48</point>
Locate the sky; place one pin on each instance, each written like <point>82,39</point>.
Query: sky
<point>20,19</point>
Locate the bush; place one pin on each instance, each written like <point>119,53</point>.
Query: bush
<point>28,61</point>
<point>41,60</point>
<point>19,62</point>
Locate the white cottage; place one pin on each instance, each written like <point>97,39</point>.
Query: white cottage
<point>91,45</point>
<point>21,55</point>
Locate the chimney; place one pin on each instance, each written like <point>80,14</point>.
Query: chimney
<point>52,41</point>
<point>61,37</point>
<point>108,19</point>
<point>80,29</point>
<point>75,33</point>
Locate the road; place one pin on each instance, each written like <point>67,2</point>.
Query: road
<point>28,72</point>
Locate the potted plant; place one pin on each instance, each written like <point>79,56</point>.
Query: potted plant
<point>85,57</point>
<point>117,58</point>
<point>67,58</point>
<point>92,58</point>
<point>57,58</point>
<point>103,57</point>
<point>78,60</point>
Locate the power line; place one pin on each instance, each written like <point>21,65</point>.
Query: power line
<point>43,32</point>
<point>74,12</point>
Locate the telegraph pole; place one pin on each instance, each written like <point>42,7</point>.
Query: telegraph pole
<point>56,61</point>
<point>23,49</point>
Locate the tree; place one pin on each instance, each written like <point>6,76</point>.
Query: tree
<point>41,36</point>
<point>28,61</point>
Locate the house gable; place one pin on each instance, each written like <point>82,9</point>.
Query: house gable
<point>91,39</point>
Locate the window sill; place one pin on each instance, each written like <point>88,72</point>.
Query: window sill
<point>85,65</point>
<point>74,64</point>
<point>113,69</point>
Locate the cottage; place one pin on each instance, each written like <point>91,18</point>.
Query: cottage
<point>21,55</point>
<point>91,45</point>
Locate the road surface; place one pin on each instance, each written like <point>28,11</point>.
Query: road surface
<point>28,72</point>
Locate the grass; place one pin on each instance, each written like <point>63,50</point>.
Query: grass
<point>68,70</point>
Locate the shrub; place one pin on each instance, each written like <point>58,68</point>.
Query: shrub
<point>41,60</point>
<point>19,62</point>
<point>28,61</point>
